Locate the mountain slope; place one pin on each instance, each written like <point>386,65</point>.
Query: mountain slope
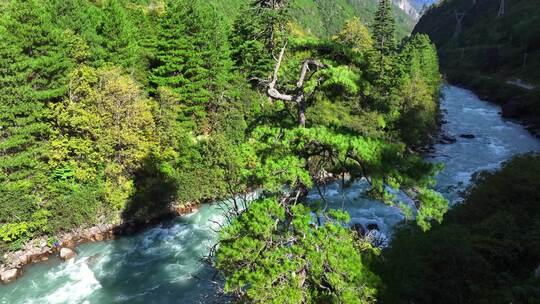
<point>408,8</point>
<point>325,18</point>
<point>421,4</point>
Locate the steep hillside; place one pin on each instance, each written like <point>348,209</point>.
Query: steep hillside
<point>493,50</point>
<point>326,18</point>
<point>408,8</point>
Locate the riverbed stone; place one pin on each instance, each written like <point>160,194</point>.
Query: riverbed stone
<point>99,237</point>
<point>447,139</point>
<point>69,242</point>
<point>372,226</point>
<point>466,135</point>
<point>359,228</point>
<point>67,254</point>
<point>9,275</point>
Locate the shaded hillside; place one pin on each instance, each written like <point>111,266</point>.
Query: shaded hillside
<point>485,251</point>
<point>497,54</point>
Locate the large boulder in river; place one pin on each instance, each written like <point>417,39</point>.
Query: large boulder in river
<point>69,242</point>
<point>469,136</point>
<point>372,226</point>
<point>9,275</point>
<point>359,228</point>
<point>66,254</point>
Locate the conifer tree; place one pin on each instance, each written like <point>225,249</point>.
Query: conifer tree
<point>83,20</point>
<point>384,28</point>
<point>193,57</point>
<point>382,64</point>
<point>118,37</point>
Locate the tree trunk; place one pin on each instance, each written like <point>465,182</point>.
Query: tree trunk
<point>298,96</point>
<point>302,114</point>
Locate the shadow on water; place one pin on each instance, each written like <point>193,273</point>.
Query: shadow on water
<point>158,259</point>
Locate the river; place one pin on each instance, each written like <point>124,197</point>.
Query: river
<point>162,264</point>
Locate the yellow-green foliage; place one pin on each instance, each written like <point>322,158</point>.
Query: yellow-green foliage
<point>19,232</point>
<point>106,128</point>
<point>355,36</point>
<point>419,89</point>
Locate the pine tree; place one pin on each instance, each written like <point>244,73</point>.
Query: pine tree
<point>33,69</point>
<point>193,57</point>
<point>382,64</point>
<point>83,20</point>
<point>118,36</point>
<point>109,32</point>
<point>384,28</point>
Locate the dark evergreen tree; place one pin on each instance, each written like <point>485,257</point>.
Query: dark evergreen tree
<point>118,36</point>
<point>382,64</point>
<point>384,28</point>
<point>84,20</point>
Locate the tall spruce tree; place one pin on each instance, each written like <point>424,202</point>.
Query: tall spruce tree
<point>83,20</point>
<point>118,37</point>
<point>384,28</point>
<point>382,64</point>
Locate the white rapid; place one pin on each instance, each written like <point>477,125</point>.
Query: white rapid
<point>163,264</point>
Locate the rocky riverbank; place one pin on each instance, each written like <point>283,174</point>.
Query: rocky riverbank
<point>38,250</point>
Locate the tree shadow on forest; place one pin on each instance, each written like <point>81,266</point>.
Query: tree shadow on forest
<point>151,203</point>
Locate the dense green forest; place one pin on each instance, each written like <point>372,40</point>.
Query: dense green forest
<point>494,49</point>
<point>111,110</point>
<point>119,107</point>
<point>114,111</point>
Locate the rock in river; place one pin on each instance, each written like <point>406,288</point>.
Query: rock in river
<point>66,254</point>
<point>359,229</point>
<point>372,226</point>
<point>470,136</point>
<point>9,275</point>
<point>447,139</point>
